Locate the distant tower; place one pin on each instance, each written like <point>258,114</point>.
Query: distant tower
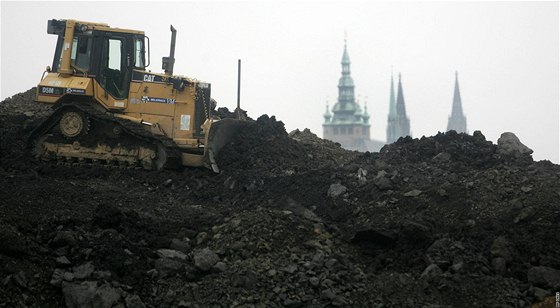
<point>327,114</point>
<point>347,125</point>
<point>365,116</point>
<point>457,120</point>
<point>392,118</point>
<point>398,123</point>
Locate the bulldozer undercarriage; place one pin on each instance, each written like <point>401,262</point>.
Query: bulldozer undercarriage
<point>79,134</point>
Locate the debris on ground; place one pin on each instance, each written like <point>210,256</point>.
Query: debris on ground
<point>450,220</point>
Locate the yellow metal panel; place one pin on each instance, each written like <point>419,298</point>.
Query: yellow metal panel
<point>67,48</point>
<point>108,101</point>
<point>135,87</point>
<point>55,86</point>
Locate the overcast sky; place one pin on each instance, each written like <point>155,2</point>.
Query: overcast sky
<point>507,55</point>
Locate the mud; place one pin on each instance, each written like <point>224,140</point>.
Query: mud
<point>292,220</point>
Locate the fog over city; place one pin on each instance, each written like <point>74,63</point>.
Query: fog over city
<point>506,55</point>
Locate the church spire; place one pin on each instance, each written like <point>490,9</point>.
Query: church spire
<point>346,97</point>
<point>392,129</point>
<point>365,115</point>
<point>345,60</point>
<point>399,126</point>
<point>457,108</point>
<point>392,102</point>
<point>327,114</point>
<point>457,120</point>
<point>401,108</point>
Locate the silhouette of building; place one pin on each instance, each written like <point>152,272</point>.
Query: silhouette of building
<point>457,120</point>
<point>348,124</point>
<point>398,124</point>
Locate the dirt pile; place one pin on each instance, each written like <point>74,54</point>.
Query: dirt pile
<point>292,220</point>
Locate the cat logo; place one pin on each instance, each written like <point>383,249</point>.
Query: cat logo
<point>149,78</point>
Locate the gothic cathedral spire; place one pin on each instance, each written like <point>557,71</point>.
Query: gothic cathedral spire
<point>398,124</point>
<point>457,120</point>
<point>391,125</point>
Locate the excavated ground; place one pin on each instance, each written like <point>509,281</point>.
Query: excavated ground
<point>292,220</point>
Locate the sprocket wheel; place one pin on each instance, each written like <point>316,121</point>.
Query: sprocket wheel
<point>73,124</point>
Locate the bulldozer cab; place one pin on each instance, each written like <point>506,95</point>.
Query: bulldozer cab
<point>102,53</point>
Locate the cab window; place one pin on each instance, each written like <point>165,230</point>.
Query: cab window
<point>115,56</point>
<point>81,52</point>
<point>139,53</point>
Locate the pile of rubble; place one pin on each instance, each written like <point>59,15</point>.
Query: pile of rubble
<point>292,220</point>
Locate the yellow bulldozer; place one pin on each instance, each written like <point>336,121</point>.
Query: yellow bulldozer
<point>110,110</point>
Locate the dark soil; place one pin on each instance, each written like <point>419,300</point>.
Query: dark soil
<point>291,220</point>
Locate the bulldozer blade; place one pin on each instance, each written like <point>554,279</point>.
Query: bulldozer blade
<point>220,133</point>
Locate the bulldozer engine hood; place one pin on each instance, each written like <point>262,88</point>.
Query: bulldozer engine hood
<point>53,87</point>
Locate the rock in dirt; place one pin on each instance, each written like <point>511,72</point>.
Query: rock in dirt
<point>180,245</point>
<point>442,252</point>
<point>336,190</point>
<point>245,278</point>
<point>105,296</point>
<point>413,193</point>
<point>382,182</point>
<point>64,238</point>
<point>63,261</point>
<point>205,259</point>
<point>171,254</point>
<point>509,144</point>
<point>134,301</point>
<point>167,267</point>
<point>442,158</point>
<point>57,276</point>
<point>220,267</point>
<point>432,273</point>
<point>79,295</point>
<point>544,276</point>
<point>83,271</point>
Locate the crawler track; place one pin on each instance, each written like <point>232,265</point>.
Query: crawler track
<point>109,141</point>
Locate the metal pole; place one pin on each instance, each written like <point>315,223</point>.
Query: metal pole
<point>238,88</point>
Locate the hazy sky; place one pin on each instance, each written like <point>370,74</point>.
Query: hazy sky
<point>507,55</point>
